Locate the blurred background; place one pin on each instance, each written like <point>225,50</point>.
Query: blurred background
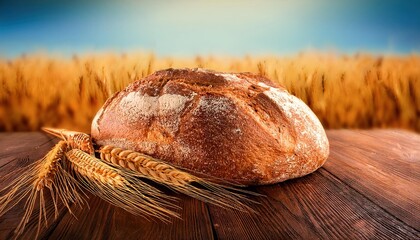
<point>355,63</point>
<point>188,28</point>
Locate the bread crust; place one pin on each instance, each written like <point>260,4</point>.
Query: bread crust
<point>234,126</point>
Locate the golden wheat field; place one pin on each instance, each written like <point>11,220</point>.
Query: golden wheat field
<point>345,91</point>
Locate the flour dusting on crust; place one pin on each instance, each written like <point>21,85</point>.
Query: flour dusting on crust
<point>301,115</point>
<point>137,106</point>
<point>217,105</point>
<point>229,77</point>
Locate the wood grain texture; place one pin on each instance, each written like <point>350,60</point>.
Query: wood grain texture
<point>368,189</point>
<point>384,167</point>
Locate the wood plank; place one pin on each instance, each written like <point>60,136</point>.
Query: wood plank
<point>23,146</point>
<point>402,147</point>
<point>195,224</point>
<point>273,220</point>
<point>91,223</point>
<point>377,168</point>
<point>318,206</point>
<point>103,221</point>
<point>369,188</point>
<point>10,221</point>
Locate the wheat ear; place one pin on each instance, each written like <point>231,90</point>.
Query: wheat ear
<point>32,183</point>
<point>123,191</point>
<point>106,182</point>
<point>140,165</point>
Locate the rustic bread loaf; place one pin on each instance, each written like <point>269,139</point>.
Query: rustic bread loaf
<point>233,126</point>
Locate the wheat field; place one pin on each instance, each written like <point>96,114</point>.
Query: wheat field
<point>344,91</point>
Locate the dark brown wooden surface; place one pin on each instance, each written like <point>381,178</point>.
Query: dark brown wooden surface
<point>368,189</point>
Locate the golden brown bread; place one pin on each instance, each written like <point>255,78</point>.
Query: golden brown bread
<point>234,126</point>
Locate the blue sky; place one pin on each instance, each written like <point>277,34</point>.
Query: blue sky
<point>186,27</point>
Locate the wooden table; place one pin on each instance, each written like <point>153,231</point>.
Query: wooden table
<point>369,188</point>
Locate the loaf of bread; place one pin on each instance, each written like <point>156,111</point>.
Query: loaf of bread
<point>234,126</point>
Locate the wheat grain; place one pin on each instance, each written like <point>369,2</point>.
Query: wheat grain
<point>92,169</point>
<point>50,168</point>
<point>141,165</point>
<point>83,142</point>
<point>146,165</point>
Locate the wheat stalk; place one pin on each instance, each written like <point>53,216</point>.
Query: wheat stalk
<point>33,181</point>
<point>121,190</point>
<point>141,165</point>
